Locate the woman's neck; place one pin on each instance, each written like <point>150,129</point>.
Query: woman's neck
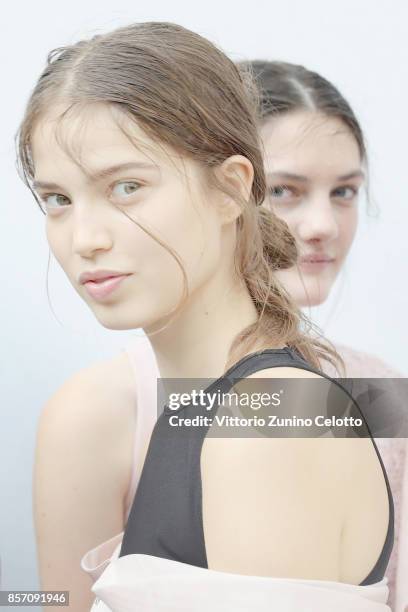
<point>196,343</point>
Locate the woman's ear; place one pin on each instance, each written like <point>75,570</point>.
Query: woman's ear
<point>237,174</point>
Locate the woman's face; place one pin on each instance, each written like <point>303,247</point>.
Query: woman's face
<point>313,169</point>
<point>87,230</point>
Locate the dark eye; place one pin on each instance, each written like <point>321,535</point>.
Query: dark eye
<point>346,192</point>
<point>58,201</point>
<point>279,192</point>
<point>125,188</point>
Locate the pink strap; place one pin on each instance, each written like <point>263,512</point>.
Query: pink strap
<point>95,561</point>
<point>144,366</point>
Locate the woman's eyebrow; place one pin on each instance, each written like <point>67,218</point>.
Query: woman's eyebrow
<point>286,175</point>
<point>299,177</point>
<point>350,175</point>
<point>100,174</point>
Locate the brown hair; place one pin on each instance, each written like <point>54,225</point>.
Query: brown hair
<point>284,87</point>
<point>184,92</point>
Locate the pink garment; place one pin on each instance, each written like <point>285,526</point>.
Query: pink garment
<point>143,364</point>
<point>393,453</point>
<point>153,584</point>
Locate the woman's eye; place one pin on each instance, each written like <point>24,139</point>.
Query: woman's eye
<point>125,188</point>
<point>346,192</point>
<point>54,200</point>
<point>279,192</point>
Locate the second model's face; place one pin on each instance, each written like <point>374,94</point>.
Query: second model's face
<point>313,170</point>
<point>90,225</point>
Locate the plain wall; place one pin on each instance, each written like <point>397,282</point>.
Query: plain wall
<point>360,46</point>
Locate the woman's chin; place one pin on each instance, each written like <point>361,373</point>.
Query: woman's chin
<point>118,320</point>
<point>115,319</point>
<point>314,295</point>
<point>312,302</point>
<point>119,325</point>
<point>314,291</point>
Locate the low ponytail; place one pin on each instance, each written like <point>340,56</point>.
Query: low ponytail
<point>279,246</point>
<point>265,244</point>
<point>187,94</point>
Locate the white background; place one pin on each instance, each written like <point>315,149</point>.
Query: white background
<point>360,45</point>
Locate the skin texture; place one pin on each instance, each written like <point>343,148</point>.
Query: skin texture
<point>80,476</point>
<point>311,503</point>
<point>321,211</point>
<point>87,230</point>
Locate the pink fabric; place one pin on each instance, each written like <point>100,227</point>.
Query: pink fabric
<point>97,559</point>
<point>152,584</point>
<point>143,363</point>
<point>393,452</point>
<point>401,601</point>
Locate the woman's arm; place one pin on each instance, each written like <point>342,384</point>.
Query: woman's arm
<point>81,474</point>
<point>311,508</point>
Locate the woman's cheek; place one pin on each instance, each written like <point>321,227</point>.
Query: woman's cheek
<point>56,244</point>
<point>289,217</point>
<point>348,229</point>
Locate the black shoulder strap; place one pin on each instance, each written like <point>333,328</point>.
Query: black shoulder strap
<point>268,358</point>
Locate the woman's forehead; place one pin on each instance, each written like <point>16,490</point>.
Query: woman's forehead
<point>303,141</point>
<point>91,127</point>
<point>91,136</point>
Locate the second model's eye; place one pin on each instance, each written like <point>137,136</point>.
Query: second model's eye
<point>345,192</point>
<point>124,189</point>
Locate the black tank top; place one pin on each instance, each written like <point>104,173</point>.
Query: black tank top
<point>166,519</point>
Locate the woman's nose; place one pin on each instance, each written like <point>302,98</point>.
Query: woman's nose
<point>90,232</point>
<point>318,220</point>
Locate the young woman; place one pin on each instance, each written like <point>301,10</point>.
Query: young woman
<point>141,147</point>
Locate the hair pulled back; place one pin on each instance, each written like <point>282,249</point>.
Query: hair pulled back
<point>186,93</point>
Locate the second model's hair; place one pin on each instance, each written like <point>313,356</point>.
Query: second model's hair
<point>186,93</point>
<point>284,87</point>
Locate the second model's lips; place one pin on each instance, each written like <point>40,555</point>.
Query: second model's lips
<point>99,275</point>
<point>316,259</point>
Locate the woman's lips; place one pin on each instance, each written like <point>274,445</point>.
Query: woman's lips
<point>314,264</point>
<point>100,289</point>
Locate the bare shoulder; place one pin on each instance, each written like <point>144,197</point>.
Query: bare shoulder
<point>95,396</point>
<point>81,472</point>
<point>320,492</point>
<point>340,454</point>
<point>92,416</point>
